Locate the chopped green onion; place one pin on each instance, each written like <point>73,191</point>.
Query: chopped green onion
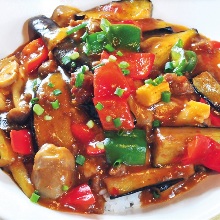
<point>156,123</point>
<point>38,110</point>
<point>47,117</point>
<point>98,65</point>
<point>34,100</point>
<point>119,92</point>
<point>50,84</point>
<point>169,67</point>
<point>123,64</point>
<point>155,82</point>
<point>84,36</point>
<point>79,80</point>
<point>165,96</point>
<point>35,84</point>
<point>109,48</point>
<point>99,106</point>
<point>117,122</point>
<point>100,37</point>
<point>73,64</point>
<point>65,188</point>
<point>90,124</point>
<point>119,53</point>
<point>55,104</point>
<point>156,194</point>
<point>105,24</point>
<point>100,145</point>
<point>80,159</point>
<point>117,163</point>
<point>76,28</point>
<point>112,58</point>
<point>74,55</point>
<point>66,60</point>
<point>125,71</point>
<point>35,197</point>
<point>108,118</point>
<point>57,92</point>
<point>159,80</point>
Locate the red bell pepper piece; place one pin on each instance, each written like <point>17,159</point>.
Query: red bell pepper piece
<point>205,151</point>
<point>34,54</point>
<point>114,108</point>
<point>79,196</point>
<point>21,141</point>
<point>140,64</point>
<point>107,79</point>
<point>82,133</point>
<point>94,150</point>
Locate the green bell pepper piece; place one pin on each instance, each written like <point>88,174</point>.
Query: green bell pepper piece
<point>129,147</point>
<point>95,42</point>
<point>182,60</point>
<point>124,37</point>
<point>119,36</point>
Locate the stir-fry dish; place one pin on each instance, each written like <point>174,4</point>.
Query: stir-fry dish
<point>107,102</point>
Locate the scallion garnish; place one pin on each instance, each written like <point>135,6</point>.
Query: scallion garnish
<point>119,92</point>
<point>90,124</point>
<point>99,106</point>
<point>55,104</point>
<point>34,100</point>
<point>66,60</point>
<point>35,196</point>
<point>117,122</point>
<point>155,82</point>
<point>76,28</point>
<point>112,58</point>
<point>123,64</point>
<point>156,123</point>
<point>166,96</point>
<point>119,53</point>
<point>98,65</point>
<point>80,159</point>
<point>65,188</point>
<point>50,84</point>
<point>47,118</point>
<point>117,163</point>
<point>79,79</point>
<point>108,118</point>
<point>109,48</point>
<point>74,55</point>
<point>38,110</point>
<point>57,92</point>
<point>125,72</point>
<point>100,145</point>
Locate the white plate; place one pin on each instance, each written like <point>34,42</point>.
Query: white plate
<point>200,203</point>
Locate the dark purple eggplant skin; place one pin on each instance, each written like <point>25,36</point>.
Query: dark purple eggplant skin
<point>42,26</point>
<point>160,187</point>
<point>207,88</point>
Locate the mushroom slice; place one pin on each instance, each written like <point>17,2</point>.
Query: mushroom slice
<point>8,71</point>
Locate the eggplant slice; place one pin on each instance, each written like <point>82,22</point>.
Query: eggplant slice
<point>57,40</point>
<point>209,88</point>
<point>120,10</point>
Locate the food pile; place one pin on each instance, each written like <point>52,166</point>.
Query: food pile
<point>108,102</point>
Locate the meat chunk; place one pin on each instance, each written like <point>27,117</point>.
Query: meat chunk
<point>53,168</point>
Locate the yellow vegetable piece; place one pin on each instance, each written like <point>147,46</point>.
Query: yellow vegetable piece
<point>148,94</point>
<point>193,113</point>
